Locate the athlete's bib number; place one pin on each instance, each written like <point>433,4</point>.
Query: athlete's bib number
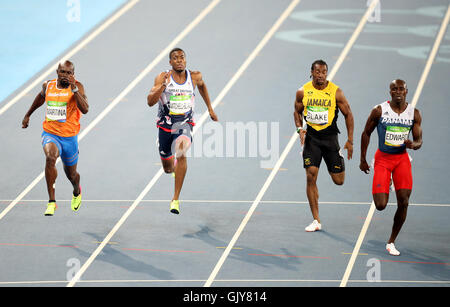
<point>56,111</point>
<point>317,115</point>
<point>396,136</point>
<point>180,104</point>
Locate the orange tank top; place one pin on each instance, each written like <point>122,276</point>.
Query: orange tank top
<point>62,116</point>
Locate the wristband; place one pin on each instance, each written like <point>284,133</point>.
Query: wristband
<point>75,89</point>
<point>299,129</point>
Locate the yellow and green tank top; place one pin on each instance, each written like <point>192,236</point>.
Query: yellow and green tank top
<point>320,109</point>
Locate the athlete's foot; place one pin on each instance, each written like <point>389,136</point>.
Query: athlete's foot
<point>175,206</point>
<point>314,226</point>
<point>390,247</point>
<point>51,207</point>
<point>76,202</point>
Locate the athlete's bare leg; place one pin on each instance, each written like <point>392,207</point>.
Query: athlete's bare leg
<point>51,155</point>
<point>74,178</point>
<point>380,200</point>
<point>400,214</point>
<point>312,192</point>
<point>168,165</point>
<point>182,145</point>
<point>338,178</point>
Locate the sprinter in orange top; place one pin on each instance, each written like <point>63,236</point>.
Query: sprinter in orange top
<point>65,100</point>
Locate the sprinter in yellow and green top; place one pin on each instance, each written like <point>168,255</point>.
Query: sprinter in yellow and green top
<point>318,102</point>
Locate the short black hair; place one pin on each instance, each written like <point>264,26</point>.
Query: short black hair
<point>67,63</point>
<point>318,62</point>
<point>174,50</point>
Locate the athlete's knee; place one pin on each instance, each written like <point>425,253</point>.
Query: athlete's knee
<point>181,147</point>
<point>402,203</point>
<point>72,176</point>
<point>380,203</point>
<point>311,177</point>
<point>338,180</point>
<point>50,160</point>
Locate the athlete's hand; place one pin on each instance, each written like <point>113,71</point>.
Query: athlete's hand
<point>72,81</point>
<point>167,78</point>
<point>25,122</point>
<point>349,147</point>
<point>364,166</point>
<point>410,144</point>
<point>213,115</point>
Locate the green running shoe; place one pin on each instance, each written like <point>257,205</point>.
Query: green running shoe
<point>51,207</point>
<point>175,206</point>
<point>76,202</point>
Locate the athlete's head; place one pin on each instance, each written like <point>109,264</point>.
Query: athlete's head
<point>398,90</point>
<point>319,71</point>
<point>64,71</point>
<point>177,59</point>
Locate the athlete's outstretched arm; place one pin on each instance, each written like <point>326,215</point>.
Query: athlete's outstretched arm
<point>37,103</point>
<point>159,86</point>
<point>298,114</point>
<point>203,90</point>
<point>416,143</point>
<point>371,123</point>
<point>345,109</point>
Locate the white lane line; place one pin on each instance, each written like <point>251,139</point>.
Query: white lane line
<point>431,57</point>
<point>105,241</point>
<point>228,201</point>
<point>121,96</point>
<point>287,149</point>
<point>414,102</point>
<point>70,54</point>
<point>43,282</point>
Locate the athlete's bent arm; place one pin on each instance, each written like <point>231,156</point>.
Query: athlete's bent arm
<point>416,143</point>
<point>203,90</point>
<point>80,97</point>
<point>37,103</point>
<point>298,114</point>
<point>371,123</point>
<point>345,109</point>
<point>159,86</point>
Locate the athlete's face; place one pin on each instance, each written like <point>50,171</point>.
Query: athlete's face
<point>319,74</point>
<point>178,61</point>
<point>398,90</point>
<point>64,72</point>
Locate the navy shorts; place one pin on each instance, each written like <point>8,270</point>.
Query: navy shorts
<point>168,135</point>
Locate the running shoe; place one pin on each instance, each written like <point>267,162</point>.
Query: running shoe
<point>175,206</point>
<point>51,207</point>
<point>390,247</point>
<point>314,226</point>
<point>76,202</point>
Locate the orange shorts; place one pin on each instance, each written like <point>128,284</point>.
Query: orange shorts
<point>397,165</point>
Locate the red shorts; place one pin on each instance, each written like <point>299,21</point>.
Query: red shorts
<point>399,165</point>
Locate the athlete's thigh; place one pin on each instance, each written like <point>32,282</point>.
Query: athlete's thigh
<point>182,139</point>
<point>333,157</point>
<point>381,175</point>
<point>70,151</point>
<point>312,154</point>
<point>402,173</point>
<point>51,145</point>
<point>165,139</point>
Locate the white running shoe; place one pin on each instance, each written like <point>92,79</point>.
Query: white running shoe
<point>392,250</point>
<point>314,226</point>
